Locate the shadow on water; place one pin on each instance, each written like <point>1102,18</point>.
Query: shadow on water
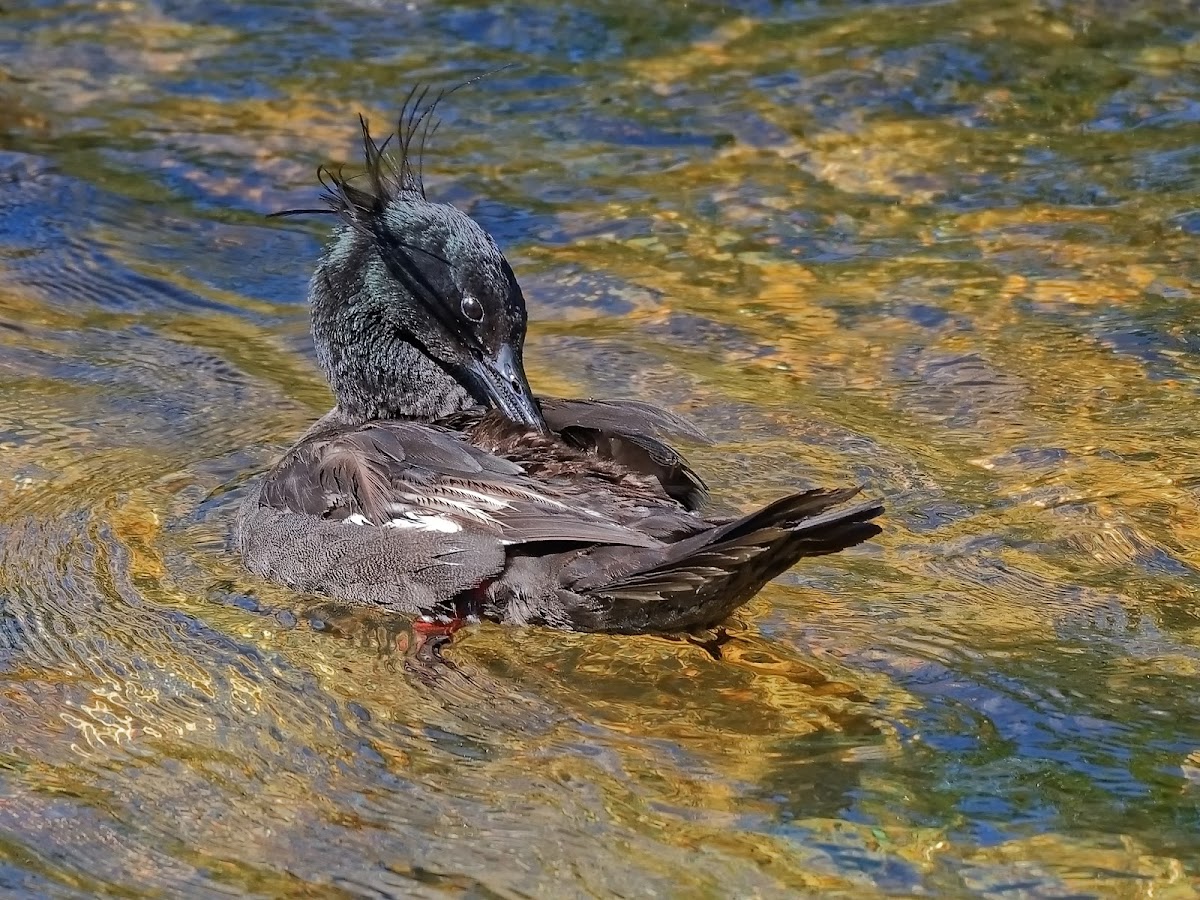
<point>943,250</point>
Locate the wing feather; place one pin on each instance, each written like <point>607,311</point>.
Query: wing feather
<point>400,471</point>
<point>630,433</point>
<point>619,417</point>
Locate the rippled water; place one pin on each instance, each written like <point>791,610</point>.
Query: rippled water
<point>947,250</point>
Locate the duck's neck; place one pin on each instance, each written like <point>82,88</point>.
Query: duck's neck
<point>374,372</point>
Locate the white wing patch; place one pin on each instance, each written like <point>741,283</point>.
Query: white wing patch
<point>425,523</point>
<point>451,505</point>
<point>437,509</point>
<point>410,519</point>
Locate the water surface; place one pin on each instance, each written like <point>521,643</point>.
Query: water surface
<point>944,250</point>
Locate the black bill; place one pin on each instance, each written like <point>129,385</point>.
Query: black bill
<point>500,382</point>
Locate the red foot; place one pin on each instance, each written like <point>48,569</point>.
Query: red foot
<point>429,629</point>
<point>466,609</point>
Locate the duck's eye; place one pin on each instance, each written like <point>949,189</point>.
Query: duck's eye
<point>472,308</point>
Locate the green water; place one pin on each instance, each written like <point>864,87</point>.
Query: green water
<point>944,250</point>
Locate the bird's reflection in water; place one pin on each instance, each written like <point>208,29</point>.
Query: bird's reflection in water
<point>418,645</point>
<point>414,646</point>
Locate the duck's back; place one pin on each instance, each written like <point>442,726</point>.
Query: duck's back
<point>591,527</point>
<point>411,516</point>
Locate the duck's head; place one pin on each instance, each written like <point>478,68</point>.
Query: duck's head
<point>415,311</point>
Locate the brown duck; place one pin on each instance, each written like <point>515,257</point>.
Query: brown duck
<point>439,485</point>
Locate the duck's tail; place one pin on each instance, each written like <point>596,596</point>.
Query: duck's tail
<point>700,581</point>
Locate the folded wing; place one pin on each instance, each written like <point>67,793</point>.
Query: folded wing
<point>630,433</point>
<point>409,475</point>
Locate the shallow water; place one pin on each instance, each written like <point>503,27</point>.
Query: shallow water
<point>945,250</point>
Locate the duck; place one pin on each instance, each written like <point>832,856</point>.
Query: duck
<point>440,486</point>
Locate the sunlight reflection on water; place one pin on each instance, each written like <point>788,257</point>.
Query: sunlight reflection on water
<point>942,250</point>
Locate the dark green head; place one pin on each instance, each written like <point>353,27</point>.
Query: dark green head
<point>415,311</point>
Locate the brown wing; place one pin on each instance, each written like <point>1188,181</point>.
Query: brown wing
<point>629,433</point>
<point>619,417</point>
<point>407,475</point>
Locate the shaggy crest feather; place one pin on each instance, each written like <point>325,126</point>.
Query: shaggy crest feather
<point>389,176</point>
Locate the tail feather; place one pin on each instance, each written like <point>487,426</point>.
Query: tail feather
<point>793,509</point>
<point>703,579</point>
